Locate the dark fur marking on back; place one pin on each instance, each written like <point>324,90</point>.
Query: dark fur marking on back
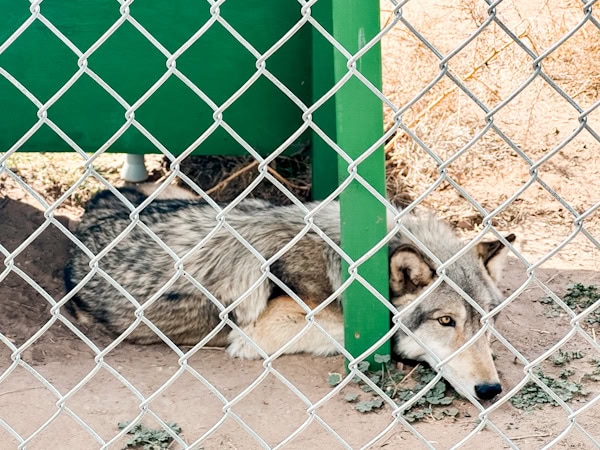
<point>173,296</point>
<point>106,199</point>
<point>159,207</point>
<point>77,303</point>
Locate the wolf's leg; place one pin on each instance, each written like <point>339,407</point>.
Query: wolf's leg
<point>280,322</point>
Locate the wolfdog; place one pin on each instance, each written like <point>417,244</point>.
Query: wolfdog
<point>196,265</point>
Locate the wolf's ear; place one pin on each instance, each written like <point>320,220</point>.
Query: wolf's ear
<point>410,270</point>
<point>493,254</point>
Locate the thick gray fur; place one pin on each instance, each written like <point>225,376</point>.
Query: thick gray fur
<point>226,268</point>
<point>447,325</point>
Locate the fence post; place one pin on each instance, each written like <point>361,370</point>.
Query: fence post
<point>358,125</point>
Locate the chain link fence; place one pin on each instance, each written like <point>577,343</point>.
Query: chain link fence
<point>196,386</point>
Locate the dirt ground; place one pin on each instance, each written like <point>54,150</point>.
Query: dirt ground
<point>271,409</point>
<point>537,121</point>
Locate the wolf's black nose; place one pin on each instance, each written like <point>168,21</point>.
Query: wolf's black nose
<point>487,391</point>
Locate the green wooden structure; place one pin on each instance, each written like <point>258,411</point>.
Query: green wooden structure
<point>218,65</point>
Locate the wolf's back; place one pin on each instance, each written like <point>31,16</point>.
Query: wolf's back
<point>188,261</point>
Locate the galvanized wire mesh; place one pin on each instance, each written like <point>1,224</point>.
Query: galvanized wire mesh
<point>397,126</point>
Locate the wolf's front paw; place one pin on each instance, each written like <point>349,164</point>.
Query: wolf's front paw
<point>240,347</point>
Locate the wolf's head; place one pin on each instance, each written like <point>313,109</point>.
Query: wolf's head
<point>443,320</point>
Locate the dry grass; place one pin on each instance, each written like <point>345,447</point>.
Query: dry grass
<point>224,178</point>
<point>50,175</point>
<point>492,67</point>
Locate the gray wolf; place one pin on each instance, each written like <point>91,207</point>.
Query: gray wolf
<point>220,271</point>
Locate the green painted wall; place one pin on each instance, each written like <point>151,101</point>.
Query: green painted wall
<point>217,63</point>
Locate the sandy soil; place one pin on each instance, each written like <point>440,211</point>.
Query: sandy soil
<point>271,408</point>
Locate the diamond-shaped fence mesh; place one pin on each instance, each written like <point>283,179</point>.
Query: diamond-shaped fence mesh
<point>490,114</point>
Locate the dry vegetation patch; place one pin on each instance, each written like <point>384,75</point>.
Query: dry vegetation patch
<point>493,67</point>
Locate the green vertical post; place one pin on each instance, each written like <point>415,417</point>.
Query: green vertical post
<point>359,123</point>
<point>324,159</point>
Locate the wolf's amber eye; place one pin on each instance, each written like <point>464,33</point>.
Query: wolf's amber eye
<point>446,321</point>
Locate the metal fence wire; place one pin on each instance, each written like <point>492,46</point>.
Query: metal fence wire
<point>319,427</point>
